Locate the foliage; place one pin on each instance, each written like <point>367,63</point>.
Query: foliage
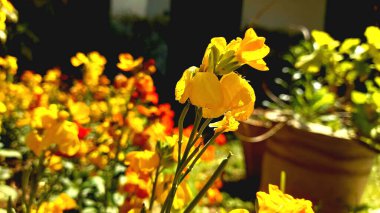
<point>335,84</point>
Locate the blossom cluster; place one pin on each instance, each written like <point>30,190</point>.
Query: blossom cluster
<point>99,144</point>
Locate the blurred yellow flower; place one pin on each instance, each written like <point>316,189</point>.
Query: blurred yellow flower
<point>372,33</point>
<point>65,135</point>
<point>239,211</point>
<point>35,143</point>
<point>145,161</point>
<point>43,117</point>
<point>80,112</point>
<point>128,63</point>
<point>323,39</point>
<point>277,201</point>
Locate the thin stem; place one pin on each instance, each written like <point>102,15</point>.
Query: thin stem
<point>180,128</point>
<point>154,185</point>
<point>209,183</point>
<point>199,155</point>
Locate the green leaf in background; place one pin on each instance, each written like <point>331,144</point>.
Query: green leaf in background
<point>8,153</point>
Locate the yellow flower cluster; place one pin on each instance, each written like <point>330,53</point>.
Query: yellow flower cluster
<point>216,87</point>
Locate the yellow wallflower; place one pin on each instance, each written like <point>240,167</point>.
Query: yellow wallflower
<point>128,63</point>
<point>238,97</point>
<point>372,33</point>
<point>277,201</point>
<point>324,39</point>
<point>65,135</point>
<point>80,112</point>
<point>93,66</point>
<point>227,124</point>
<point>58,205</point>
<point>145,161</point>
<point>9,64</point>
<point>3,108</point>
<point>202,88</point>
<point>251,50</point>
<point>43,117</point>
<point>34,142</point>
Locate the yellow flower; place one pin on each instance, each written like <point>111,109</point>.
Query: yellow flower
<point>80,112</point>
<point>323,39</point>
<point>3,108</point>
<point>203,89</point>
<point>9,64</point>
<point>217,44</point>
<point>58,205</point>
<point>227,124</point>
<point>128,63</point>
<point>372,33</point>
<point>35,143</point>
<point>43,117</point>
<point>65,202</point>
<point>145,161</point>
<point>182,89</point>
<point>54,162</point>
<point>238,97</point>
<point>277,201</point>
<point>251,50</point>
<point>206,90</point>
<point>136,122</point>
<point>65,135</point>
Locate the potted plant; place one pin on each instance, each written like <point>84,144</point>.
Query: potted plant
<point>329,115</point>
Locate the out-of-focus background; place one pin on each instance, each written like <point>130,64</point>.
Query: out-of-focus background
<point>174,33</point>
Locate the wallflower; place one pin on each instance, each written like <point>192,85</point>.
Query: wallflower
<point>80,112</point>
<point>58,205</point>
<point>251,50</point>
<point>34,142</point>
<point>238,97</point>
<point>65,135</point>
<point>145,161</point>
<point>128,63</point>
<point>277,201</point>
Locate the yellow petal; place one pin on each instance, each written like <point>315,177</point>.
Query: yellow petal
<point>206,90</point>
<point>182,88</point>
<point>372,34</point>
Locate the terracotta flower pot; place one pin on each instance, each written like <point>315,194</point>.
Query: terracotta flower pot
<point>331,172</point>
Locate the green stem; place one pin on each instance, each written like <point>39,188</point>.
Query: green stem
<point>34,182</point>
<point>152,198</point>
<point>212,139</point>
<point>209,183</point>
<point>180,128</point>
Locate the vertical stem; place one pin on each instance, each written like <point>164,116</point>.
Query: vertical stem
<point>153,196</point>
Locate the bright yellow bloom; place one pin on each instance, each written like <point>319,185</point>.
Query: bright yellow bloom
<point>136,122</point>
<point>238,97</point>
<point>58,205</point>
<point>65,135</point>
<point>3,108</point>
<point>80,112</point>
<point>227,124</point>
<point>182,89</point>
<point>9,64</point>
<point>324,39</point>
<point>35,143</point>
<point>206,90</point>
<point>93,64</point>
<point>372,33</point>
<point>219,45</point>
<point>277,201</point>
<point>54,162</point>
<point>128,63</point>
<point>43,117</point>
<point>145,161</point>
<point>252,49</point>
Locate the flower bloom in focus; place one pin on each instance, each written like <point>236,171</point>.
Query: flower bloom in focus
<point>277,201</point>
